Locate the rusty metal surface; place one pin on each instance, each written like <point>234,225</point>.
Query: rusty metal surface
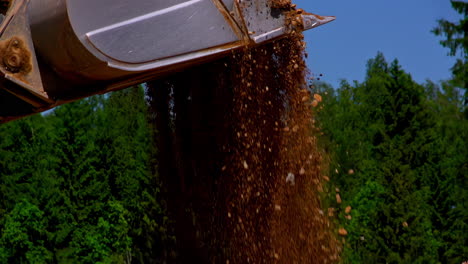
<point>265,22</point>
<point>18,59</point>
<point>262,21</point>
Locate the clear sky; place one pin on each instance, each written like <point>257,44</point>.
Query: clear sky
<point>399,28</point>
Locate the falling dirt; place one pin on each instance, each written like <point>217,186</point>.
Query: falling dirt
<point>274,214</point>
<point>240,160</point>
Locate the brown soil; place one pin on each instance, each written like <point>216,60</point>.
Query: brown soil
<point>239,158</point>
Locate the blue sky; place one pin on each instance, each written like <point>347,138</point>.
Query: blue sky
<point>399,28</point>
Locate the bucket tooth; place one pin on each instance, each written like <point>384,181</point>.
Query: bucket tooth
<point>312,20</point>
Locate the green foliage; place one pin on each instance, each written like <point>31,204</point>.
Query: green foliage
<point>104,239</point>
<point>406,145</point>
<point>78,185</point>
<point>23,236</point>
<point>456,40</point>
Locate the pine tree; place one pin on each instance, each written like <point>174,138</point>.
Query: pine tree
<point>456,39</point>
<point>127,152</point>
<point>384,139</point>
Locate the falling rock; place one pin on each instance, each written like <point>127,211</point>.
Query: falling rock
<point>338,198</point>
<point>318,97</point>
<point>348,209</point>
<point>342,232</point>
<point>302,171</point>
<point>291,179</point>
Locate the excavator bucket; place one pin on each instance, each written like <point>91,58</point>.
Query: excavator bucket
<point>57,51</point>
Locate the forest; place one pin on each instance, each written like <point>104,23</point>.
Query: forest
<point>80,184</point>
<point>398,155</point>
<point>398,150</point>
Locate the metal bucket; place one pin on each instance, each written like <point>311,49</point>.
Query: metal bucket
<point>69,49</point>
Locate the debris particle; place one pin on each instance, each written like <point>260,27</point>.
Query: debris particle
<point>291,179</point>
<point>405,224</point>
<point>318,97</point>
<point>245,165</point>
<point>342,232</point>
<point>350,171</point>
<point>338,198</point>
<point>302,171</point>
<point>348,209</point>
<point>277,207</point>
<point>349,217</point>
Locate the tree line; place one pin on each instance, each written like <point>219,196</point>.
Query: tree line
<point>399,152</point>
<point>79,185</point>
